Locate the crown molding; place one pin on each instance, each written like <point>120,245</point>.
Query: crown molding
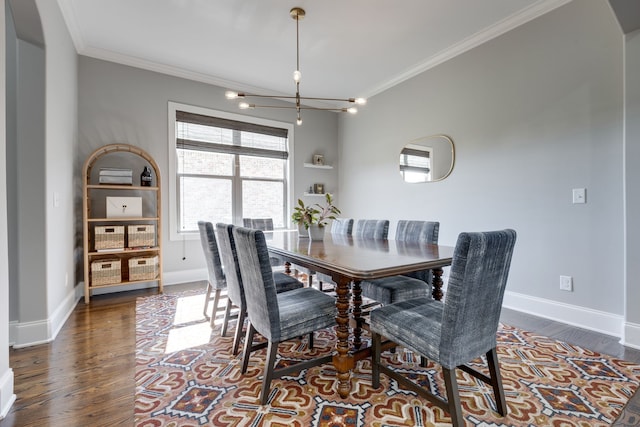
<point>532,12</point>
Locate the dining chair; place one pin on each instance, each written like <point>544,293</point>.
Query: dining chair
<point>235,288</point>
<point>371,228</point>
<point>264,224</point>
<point>417,284</point>
<point>277,317</point>
<point>339,227</point>
<point>216,280</point>
<point>460,329</point>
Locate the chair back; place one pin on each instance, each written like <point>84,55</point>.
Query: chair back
<point>475,290</point>
<point>216,276</point>
<point>265,224</point>
<point>371,228</point>
<point>257,279</point>
<point>418,231</point>
<point>229,258</point>
<point>342,226</point>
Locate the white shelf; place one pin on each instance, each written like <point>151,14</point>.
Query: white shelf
<point>311,165</point>
<point>314,194</point>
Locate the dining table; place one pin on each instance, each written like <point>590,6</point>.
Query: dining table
<point>350,260</point>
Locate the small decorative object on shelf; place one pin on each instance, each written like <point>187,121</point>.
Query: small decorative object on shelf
<point>116,176</point>
<point>311,189</point>
<point>318,159</point>
<point>145,177</point>
<point>318,188</point>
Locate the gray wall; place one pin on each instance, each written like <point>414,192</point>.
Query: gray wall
<point>533,114</point>
<point>118,103</point>
<point>632,175</point>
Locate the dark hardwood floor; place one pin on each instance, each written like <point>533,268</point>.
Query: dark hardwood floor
<point>86,376</point>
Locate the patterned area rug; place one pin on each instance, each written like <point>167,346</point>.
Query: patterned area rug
<point>187,376</point>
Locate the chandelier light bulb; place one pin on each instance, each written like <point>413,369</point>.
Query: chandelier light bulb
<point>352,110</point>
<point>244,106</point>
<point>361,101</point>
<point>231,94</point>
<point>297,75</point>
<point>299,121</point>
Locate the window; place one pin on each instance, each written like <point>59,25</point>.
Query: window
<point>226,167</point>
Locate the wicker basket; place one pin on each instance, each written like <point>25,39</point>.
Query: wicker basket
<point>109,237</point>
<point>143,235</point>
<point>143,268</point>
<point>106,272</point>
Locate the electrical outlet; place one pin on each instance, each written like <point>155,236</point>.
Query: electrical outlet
<point>566,283</point>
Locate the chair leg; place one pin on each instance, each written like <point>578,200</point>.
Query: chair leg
<point>311,339</point>
<point>206,300</point>
<point>453,397</point>
<point>272,352</point>
<point>496,381</point>
<point>216,300</point>
<point>236,338</point>
<point>248,344</point>
<point>225,322</point>
<point>375,360</point>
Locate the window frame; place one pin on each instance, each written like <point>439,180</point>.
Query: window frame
<point>174,209</point>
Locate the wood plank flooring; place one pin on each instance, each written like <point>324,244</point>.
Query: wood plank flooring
<point>86,376</point>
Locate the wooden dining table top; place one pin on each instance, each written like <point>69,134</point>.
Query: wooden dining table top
<point>357,258</point>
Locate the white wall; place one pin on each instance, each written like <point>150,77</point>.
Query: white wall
<point>533,114</point>
<point>119,103</point>
<point>6,373</point>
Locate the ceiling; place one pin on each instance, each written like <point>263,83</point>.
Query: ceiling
<point>348,48</point>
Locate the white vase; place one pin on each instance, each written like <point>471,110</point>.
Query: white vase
<point>316,232</point>
<point>302,231</point>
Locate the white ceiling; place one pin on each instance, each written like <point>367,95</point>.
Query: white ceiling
<point>348,48</point>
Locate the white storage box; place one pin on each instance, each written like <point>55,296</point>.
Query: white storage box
<point>124,207</point>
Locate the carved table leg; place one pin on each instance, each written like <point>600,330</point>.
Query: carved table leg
<point>357,314</point>
<point>342,360</point>
<point>437,283</point>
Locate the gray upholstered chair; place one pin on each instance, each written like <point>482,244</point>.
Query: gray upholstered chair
<point>371,228</point>
<point>235,289</point>
<point>264,224</point>
<point>413,285</point>
<point>277,317</point>
<point>460,329</point>
<point>216,281</point>
<point>339,227</point>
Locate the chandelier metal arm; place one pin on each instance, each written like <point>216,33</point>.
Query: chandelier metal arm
<point>297,13</point>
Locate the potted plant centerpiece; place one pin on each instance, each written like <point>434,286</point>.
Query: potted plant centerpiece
<point>312,219</point>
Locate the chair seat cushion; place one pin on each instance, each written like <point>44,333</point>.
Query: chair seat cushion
<point>414,324</point>
<point>389,290</point>
<point>304,310</point>
<point>285,283</point>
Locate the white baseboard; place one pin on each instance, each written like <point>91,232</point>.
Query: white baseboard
<point>631,336</point>
<point>25,334</point>
<point>7,397</point>
<point>594,320</point>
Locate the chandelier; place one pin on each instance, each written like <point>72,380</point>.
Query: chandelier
<point>296,13</point>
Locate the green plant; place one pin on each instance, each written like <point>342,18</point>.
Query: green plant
<point>316,214</point>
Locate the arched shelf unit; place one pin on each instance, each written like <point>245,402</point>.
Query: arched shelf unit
<point>121,248</point>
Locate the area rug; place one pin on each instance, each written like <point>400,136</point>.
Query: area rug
<point>187,376</point>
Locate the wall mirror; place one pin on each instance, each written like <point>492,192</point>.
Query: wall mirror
<point>427,159</point>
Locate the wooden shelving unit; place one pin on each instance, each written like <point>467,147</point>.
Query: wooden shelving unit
<point>94,213</point>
